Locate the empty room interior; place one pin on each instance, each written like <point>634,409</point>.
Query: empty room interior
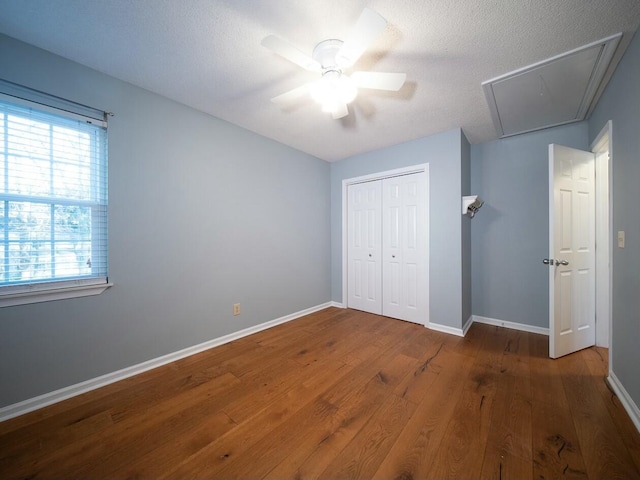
<point>324,239</point>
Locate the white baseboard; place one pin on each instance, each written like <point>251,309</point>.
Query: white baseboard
<point>337,305</point>
<point>512,325</point>
<point>445,329</point>
<point>626,400</point>
<point>467,325</point>
<point>31,404</point>
<point>461,332</point>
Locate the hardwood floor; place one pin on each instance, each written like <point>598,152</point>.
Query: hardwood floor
<point>341,394</point>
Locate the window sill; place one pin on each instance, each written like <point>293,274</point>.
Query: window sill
<point>12,299</point>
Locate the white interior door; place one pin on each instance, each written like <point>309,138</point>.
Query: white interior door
<point>404,248</point>
<point>364,270</point>
<point>571,250</point>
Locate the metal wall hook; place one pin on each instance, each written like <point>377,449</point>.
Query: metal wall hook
<point>471,204</point>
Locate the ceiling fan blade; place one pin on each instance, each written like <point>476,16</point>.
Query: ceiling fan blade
<point>291,53</point>
<point>379,80</point>
<point>340,111</point>
<point>369,26</point>
<point>291,95</point>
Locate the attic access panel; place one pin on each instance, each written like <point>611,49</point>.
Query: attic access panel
<point>553,92</point>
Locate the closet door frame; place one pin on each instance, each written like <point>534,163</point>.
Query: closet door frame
<point>345,229</point>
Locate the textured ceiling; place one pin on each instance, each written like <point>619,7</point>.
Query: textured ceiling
<point>207,54</point>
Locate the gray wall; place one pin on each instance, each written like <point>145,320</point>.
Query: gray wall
<point>202,215</point>
<point>621,104</point>
<point>442,152</point>
<point>510,233</point>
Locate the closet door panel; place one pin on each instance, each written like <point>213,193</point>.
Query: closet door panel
<point>404,253</point>
<point>364,267</point>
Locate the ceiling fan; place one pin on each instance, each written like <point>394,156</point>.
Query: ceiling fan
<point>334,90</point>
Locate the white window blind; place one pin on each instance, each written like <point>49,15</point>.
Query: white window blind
<point>53,198</point>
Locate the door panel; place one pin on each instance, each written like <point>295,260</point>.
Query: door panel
<point>364,268</point>
<point>563,290</point>
<point>405,248</point>
<point>572,249</point>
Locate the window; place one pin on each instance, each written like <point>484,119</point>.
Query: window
<point>53,203</point>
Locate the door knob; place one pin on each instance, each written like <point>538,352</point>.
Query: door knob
<point>551,261</point>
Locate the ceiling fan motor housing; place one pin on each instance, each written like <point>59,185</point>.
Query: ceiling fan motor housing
<point>326,54</point>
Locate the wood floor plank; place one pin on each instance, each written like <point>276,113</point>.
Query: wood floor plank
<point>313,453</point>
<point>469,344</point>
<point>412,454</point>
<point>330,432</point>
<point>358,320</point>
<point>266,417</point>
<point>508,452</point>
<point>605,453</point>
<point>237,442</point>
<point>233,449</point>
<point>515,359</point>
<point>276,412</point>
<point>18,454</point>
<point>597,362</point>
<point>362,456</point>
<point>266,387</point>
<point>311,449</point>
<point>138,435</point>
<point>413,386</point>
<point>336,343</point>
<point>180,444</point>
<point>341,394</point>
<point>462,449</point>
<point>461,452</point>
<point>556,448</point>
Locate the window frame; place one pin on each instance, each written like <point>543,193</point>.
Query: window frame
<point>65,288</point>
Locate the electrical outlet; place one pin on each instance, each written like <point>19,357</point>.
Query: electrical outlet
<point>236,309</point>
<point>621,239</point>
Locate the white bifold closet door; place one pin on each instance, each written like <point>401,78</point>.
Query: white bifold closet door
<point>388,247</point>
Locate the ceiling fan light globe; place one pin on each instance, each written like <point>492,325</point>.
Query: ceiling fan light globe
<point>329,106</point>
<point>346,89</point>
<point>319,91</point>
<point>332,90</point>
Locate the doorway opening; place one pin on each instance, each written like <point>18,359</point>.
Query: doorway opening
<point>601,147</point>
<point>580,237</point>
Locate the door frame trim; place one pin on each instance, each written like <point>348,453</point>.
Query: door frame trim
<point>605,137</point>
<point>423,167</point>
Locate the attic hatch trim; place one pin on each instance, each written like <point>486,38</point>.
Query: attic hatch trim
<point>608,47</point>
